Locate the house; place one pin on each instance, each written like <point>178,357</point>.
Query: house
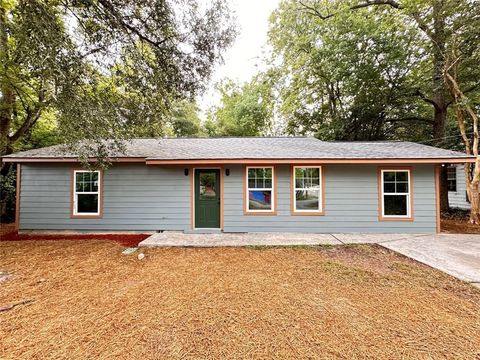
<point>457,188</point>
<point>285,184</point>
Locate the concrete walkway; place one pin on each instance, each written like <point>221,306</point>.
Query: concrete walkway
<point>173,238</point>
<point>454,254</point>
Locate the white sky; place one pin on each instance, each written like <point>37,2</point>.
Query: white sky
<point>242,59</point>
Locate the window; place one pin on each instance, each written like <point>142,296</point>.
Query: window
<point>395,194</point>
<point>86,193</point>
<point>452,178</point>
<point>307,190</point>
<point>260,190</point>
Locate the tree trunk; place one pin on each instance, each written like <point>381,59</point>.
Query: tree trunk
<point>438,39</point>
<point>475,206</point>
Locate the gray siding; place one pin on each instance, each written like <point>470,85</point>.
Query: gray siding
<point>458,199</point>
<point>351,203</point>
<point>136,197</point>
<point>140,197</point>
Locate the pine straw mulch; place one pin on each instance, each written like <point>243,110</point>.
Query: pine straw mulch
<point>8,233</point>
<point>89,301</point>
<point>459,226</point>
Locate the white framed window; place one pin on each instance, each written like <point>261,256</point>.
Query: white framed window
<point>86,193</point>
<point>396,193</point>
<point>260,194</point>
<point>307,189</point>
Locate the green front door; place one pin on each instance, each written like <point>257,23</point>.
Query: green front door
<point>207,198</point>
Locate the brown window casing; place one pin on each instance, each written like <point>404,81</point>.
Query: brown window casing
<point>381,217</point>
<point>246,211</point>
<point>292,192</point>
<point>72,197</point>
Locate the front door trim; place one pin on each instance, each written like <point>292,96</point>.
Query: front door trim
<point>192,194</point>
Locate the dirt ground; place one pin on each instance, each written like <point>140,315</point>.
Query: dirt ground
<point>459,226</point>
<point>90,301</point>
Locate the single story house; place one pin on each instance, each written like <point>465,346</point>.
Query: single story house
<point>457,188</point>
<point>284,184</point>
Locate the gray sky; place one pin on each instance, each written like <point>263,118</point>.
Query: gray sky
<point>242,58</point>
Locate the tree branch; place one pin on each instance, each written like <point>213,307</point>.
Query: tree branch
<point>313,11</point>
<point>426,99</point>
<point>412,118</point>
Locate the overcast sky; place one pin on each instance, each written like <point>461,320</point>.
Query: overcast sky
<point>242,58</point>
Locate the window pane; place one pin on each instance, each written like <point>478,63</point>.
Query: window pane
<point>402,187</point>
<point>307,178</point>
<point>307,199</point>
<point>389,176</point>
<point>207,186</point>
<point>260,200</point>
<point>260,178</point>
<point>87,203</point>
<point>79,186</point>
<point>395,204</point>
<point>452,185</point>
<point>389,187</point>
<point>402,176</point>
<point>313,172</point>
<point>267,173</point>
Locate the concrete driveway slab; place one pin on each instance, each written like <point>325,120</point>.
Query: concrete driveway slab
<point>455,254</point>
<point>372,238</point>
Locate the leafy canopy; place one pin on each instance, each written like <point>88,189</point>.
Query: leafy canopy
<point>105,68</point>
<point>245,110</point>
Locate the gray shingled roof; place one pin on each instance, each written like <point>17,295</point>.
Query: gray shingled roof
<point>261,148</point>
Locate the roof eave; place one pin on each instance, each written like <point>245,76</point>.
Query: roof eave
<point>152,161</point>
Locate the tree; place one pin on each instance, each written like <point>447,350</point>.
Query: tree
<point>184,120</point>
<point>99,69</point>
<point>461,74</point>
<point>347,78</point>
<point>434,20</point>
<point>104,67</point>
<point>245,110</point>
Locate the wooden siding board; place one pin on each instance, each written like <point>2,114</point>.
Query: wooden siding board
<point>351,203</point>
<point>146,198</point>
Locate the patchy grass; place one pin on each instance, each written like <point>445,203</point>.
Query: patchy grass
<point>89,301</point>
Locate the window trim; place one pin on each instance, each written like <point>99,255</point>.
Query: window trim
<point>410,208</point>
<point>293,210</point>
<point>73,211</point>
<point>450,167</point>
<point>246,210</point>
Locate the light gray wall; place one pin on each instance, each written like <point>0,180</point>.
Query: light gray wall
<point>351,203</point>
<point>458,199</point>
<point>136,197</point>
<point>140,197</point>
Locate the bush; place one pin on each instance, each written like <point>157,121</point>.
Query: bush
<point>7,196</point>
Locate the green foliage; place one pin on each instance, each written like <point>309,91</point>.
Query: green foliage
<point>105,68</point>
<point>7,202</point>
<point>245,110</point>
<point>347,77</point>
<point>184,120</point>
